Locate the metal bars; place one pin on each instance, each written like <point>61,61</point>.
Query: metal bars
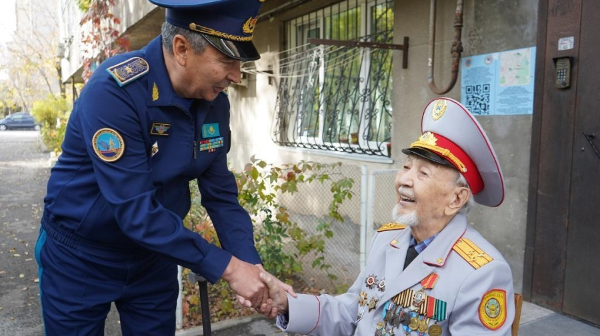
<point>338,98</point>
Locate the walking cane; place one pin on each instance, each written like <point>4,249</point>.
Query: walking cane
<point>203,284</point>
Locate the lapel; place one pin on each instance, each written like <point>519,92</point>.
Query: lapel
<point>434,256</point>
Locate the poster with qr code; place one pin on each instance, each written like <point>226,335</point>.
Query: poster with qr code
<point>499,83</point>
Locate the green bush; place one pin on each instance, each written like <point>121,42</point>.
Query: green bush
<point>258,186</point>
<point>53,114</point>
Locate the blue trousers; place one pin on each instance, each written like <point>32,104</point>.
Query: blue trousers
<point>77,289</point>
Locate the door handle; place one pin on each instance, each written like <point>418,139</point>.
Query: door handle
<point>590,138</point>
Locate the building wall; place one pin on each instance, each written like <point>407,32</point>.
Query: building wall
<point>489,26</point>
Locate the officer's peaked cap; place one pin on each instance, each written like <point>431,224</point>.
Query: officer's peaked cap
<point>227,25</point>
<point>452,136</point>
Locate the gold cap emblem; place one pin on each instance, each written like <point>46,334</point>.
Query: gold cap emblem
<point>439,108</point>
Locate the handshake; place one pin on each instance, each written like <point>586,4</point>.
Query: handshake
<point>256,288</point>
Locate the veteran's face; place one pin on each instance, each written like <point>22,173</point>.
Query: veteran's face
<point>424,190</point>
<point>209,73</point>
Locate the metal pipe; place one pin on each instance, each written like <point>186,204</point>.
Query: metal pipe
<point>363,216</point>
<point>179,309</point>
<point>456,50</point>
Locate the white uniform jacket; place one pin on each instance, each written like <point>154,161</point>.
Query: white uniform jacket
<point>475,288</point>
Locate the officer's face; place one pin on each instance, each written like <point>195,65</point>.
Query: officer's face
<point>424,191</point>
<point>209,73</point>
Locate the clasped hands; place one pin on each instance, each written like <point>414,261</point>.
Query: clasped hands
<point>256,288</point>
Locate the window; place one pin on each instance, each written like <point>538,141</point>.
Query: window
<point>332,97</point>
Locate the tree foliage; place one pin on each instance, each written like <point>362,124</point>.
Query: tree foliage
<point>53,114</point>
<point>29,62</point>
<point>100,37</point>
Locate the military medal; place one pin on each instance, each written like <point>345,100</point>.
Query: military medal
<point>362,299</point>
<point>423,324</point>
<point>381,285</point>
<point>360,315</point>
<point>435,330</point>
<point>373,303</point>
<point>371,281</point>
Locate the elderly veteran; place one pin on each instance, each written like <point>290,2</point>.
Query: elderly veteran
<point>146,124</point>
<point>433,275</point>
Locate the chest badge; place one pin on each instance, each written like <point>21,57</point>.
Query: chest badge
<point>159,128</point>
<point>155,148</point>
<point>210,131</point>
<point>108,144</point>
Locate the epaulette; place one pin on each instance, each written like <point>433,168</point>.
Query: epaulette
<point>471,253</point>
<point>128,71</point>
<point>391,226</point>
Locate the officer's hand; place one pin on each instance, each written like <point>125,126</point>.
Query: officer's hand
<point>244,279</point>
<point>267,308</point>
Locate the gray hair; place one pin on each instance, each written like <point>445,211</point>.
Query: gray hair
<point>169,31</point>
<point>462,181</point>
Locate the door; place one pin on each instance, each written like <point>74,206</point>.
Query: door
<point>582,272</point>
<point>562,254</point>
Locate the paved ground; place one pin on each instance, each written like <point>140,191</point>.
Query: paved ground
<point>24,171</point>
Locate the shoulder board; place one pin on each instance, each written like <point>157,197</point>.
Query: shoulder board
<point>128,71</point>
<point>391,227</point>
<point>471,253</point>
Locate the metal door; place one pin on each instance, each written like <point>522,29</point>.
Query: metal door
<point>582,271</point>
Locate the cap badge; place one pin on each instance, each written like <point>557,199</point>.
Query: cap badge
<point>108,144</point>
<point>428,140</point>
<point>249,26</point>
<point>439,108</point>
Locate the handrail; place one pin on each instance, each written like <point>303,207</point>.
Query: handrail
<point>456,50</point>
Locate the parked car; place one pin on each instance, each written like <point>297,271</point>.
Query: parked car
<point>19,120</point>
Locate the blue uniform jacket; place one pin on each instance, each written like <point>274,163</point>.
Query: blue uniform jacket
<point>137,202</point>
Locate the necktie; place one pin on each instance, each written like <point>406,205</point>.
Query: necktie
<point>411,254</point>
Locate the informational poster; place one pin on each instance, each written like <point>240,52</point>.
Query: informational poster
<point>499,83</point>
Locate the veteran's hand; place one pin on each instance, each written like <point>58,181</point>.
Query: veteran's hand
<point>277,293</point>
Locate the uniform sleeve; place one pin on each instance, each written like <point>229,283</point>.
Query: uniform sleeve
<point>322,315</point>
<point>233,224</point>
<point>127,183</point>
<point>476,310</point>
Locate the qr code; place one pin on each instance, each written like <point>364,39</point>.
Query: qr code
<point>478,99</point>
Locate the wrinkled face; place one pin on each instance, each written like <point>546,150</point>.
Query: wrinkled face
<point>423,191</point>
<point>208,73</point>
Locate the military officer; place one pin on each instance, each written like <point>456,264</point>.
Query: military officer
<point>434,274</point>
<point>147,123</point>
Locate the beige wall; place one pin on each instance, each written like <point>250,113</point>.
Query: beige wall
<point>488,27</point>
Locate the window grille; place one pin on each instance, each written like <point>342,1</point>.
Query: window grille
<point>337,98</point>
